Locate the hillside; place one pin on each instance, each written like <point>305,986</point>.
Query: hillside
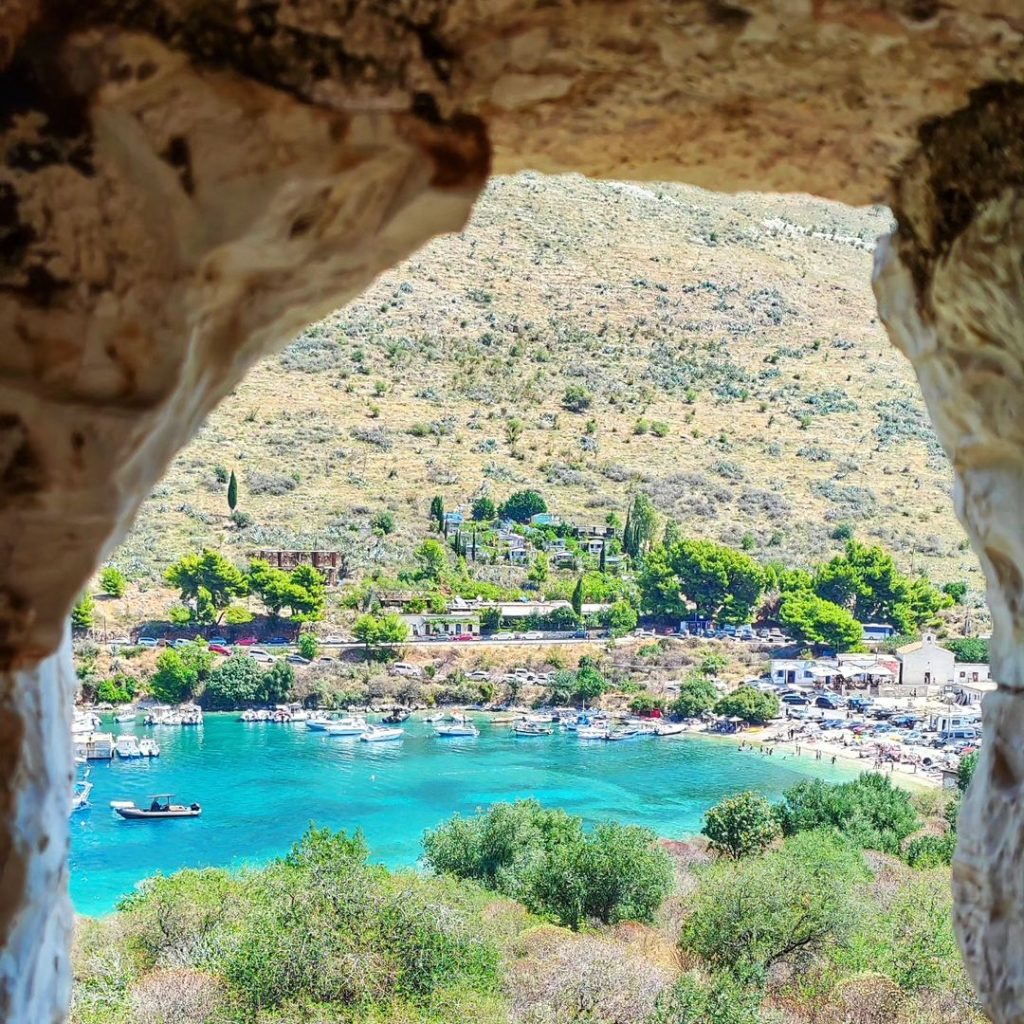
<point>741,328</point>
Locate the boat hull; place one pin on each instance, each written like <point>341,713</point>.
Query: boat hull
<point>141,814</point>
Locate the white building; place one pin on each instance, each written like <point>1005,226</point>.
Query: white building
<point>800,672</point>
<point>970,672</point>
<point>971,694</point>
<point>925,664</point>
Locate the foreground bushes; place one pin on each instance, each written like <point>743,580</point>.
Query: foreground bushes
<point>320,928</point>
<point>813,930</point>
<point>544,859</point>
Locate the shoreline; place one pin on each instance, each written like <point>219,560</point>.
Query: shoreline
<point>830,753</point>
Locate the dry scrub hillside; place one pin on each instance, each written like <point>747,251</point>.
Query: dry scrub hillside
<point>741,328</point>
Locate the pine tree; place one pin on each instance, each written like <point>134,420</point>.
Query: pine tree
<point>232,491</point>
<point>577,594</point>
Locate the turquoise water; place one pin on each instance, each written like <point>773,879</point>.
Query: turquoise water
<point>261,784</point>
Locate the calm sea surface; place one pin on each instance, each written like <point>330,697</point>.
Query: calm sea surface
<point>260,785</point>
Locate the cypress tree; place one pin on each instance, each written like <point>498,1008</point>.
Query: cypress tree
<point>604,548</point>
<point>577,594</point>
<point>232,491</point>
<point>474,546</point>
<point>627,535</point>
<point>437,510</point>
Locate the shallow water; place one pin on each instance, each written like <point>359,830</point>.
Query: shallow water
<point>261,784</point>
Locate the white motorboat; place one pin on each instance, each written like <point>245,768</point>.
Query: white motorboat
<point>125,716</point>
<point>93,746</point>
<point>461,728</point>
<point>191,714</point>
<point>350,725</point>
<point>529,728</point>
<point>248,715</point>
<point>315,723</point>
<point>669,729</point>
<point>591,732</point>
<point>378,734</point>
<point>148,747</point>
<point>127,746</point>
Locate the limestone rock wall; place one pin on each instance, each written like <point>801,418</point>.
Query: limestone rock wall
<point>184,184</point>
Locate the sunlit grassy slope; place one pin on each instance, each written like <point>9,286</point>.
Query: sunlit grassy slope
<point>741,327</point>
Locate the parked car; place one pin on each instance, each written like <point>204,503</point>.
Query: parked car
<point>905,721</point>
<point>478,674</point>
<point>795,699</point>
<point>257,655</point>
<point>219,640</point>
<point>333,640</point>
<point>829,701</point>
<point>277,641</point>
<point>219,649</point>
<point>146,641</point>
<point>533,636</point>
<point>581,634</point>
<point>297,659</point>
<point>119,641</point>
<point>403,668</point>
<point>462,637</point>
<point>247,641</point>
<point>182,642</point>
<point>860,703</point>
<point>503,636</point>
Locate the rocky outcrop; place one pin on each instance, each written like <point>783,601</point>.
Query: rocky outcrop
<point>184,184</point>
<point>951,293</point>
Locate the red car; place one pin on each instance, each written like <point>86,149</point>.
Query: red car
<point>465,636</point>
<point>247,641</point>
<point>219,649</point>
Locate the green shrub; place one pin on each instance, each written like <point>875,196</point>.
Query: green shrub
<point>544,859</point>
<point>871,811</point>
<point>742,825</point>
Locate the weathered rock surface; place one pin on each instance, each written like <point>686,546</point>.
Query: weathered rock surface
<point>951,293</point>
<point>183,184</point>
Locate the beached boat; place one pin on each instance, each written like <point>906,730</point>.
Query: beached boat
<point>591,732</point>
<point>464,727</point>
<point>529,728</point>
<point>149,747</point>
<point>159,809</point>
<point>127,746</point>
<point>350,725</point>
<point>378,734</point>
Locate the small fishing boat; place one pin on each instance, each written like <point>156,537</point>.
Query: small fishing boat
<point>459,728</point>
<point>378,734</point>
<point>318,721</point>
<point>350,725</point>
<point>160,808</point>
<point>191,714</point>
<point>591,732</point>
<point>617,735</point>
<point>397,716</point>
<point>669,729</point>
<point>529,728</point>
<point>149,747</point>
<point>127,746</point>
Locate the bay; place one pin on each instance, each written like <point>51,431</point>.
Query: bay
<point>262,784</point>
